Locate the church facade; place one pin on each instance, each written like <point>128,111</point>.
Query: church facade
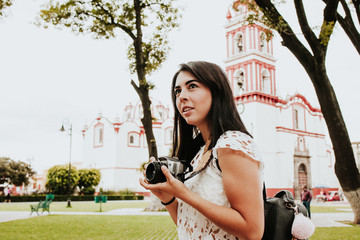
<point>119,147</point>
<point>290,133</point>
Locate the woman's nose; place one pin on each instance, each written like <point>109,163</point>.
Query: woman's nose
<point>183,96</point>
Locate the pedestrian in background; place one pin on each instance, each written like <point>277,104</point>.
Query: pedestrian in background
<point>7,193</point>
<point>306,197</point>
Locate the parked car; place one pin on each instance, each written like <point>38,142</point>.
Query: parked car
<point>320,197</point>
<point>333,196</point>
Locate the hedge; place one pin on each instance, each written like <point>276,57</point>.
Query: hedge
<point>62,198</point>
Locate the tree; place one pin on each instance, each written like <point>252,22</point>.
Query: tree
<point>313,59</point>
<point>58,179</point>
<point>15,172</point>
<point>88,179</point>
<point>347,21</point>
<point>146,22</point>
<point>4,5</point>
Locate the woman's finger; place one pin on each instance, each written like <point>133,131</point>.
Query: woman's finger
<point>167,173</point>
<point>144,183</point>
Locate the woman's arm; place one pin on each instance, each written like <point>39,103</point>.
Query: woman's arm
<point>163,196</point>
<point>241,180</point>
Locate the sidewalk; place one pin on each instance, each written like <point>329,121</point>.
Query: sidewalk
<point>319,219</point>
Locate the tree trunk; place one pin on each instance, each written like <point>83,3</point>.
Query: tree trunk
<point>314,64</point>
<point>143,89</point>
<point>147,122</point>
<point>345,166</point>
<point>143,92</point>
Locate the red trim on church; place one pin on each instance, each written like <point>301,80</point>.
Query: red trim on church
<point>299,132</point>
<point>270,192</point>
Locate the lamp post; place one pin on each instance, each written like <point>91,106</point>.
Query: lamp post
<point>69,129</point>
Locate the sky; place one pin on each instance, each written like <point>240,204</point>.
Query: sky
<point>49,76</point>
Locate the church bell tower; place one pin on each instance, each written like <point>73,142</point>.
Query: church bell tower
<point>250,63</point>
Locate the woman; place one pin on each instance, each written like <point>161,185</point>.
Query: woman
<point>223,200</point>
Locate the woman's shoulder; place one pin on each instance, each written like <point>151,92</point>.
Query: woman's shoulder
<point>235,137</point>
<point>240,141</point>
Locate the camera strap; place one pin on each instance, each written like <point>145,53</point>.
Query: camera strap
<point>206,157</point>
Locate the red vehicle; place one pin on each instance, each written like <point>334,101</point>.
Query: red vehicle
<point>333,196</point>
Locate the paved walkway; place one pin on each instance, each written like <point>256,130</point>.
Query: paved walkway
<point>319,219</point>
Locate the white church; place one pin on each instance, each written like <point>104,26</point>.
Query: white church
<point>290,133</point>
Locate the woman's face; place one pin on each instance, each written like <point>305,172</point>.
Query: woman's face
<point>193,99</point>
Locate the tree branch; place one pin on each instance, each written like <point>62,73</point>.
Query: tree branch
<point>357,8</point>
<point>305,28</point>
<point>348,26</point>
<point>137,89</point>
<point>289,38</point>
<point>119,25</point>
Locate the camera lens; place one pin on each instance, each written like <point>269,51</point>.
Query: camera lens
<point>154,174</point>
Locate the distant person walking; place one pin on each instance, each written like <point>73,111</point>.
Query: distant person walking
<point>7,193</point>
<point>306,197</point>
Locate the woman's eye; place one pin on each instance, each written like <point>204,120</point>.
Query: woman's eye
<point>192,85</point>
<point>177,91</point>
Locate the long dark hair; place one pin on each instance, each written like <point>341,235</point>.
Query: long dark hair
<point>223,115</point>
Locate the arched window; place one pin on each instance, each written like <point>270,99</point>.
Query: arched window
<point>299,118</point>
<point>262,42</point>
<point>296,119</point>
<point>99,135</point>
<point>239,78</point>
<point>128,112</point>
<point>265,81</point>
<point>160,110</point>
<point>133,139</point>
<point>239,43</point>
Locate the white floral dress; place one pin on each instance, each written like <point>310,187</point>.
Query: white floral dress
<point>208,184</point>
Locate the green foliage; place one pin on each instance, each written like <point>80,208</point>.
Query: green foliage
<point>264,16</point>
<point>103,18</point>
<point>14,172</point>
<point>88,179</point>
<point>326,31</point>
<point>58,179</point>
<point>4,5</point>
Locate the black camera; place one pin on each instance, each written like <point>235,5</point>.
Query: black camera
<point>155,175</point>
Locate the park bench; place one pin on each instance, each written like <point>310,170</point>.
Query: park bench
<point>44,205</point>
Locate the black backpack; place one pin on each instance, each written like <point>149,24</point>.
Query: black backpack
<point>279,215</point>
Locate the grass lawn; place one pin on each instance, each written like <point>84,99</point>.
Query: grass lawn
<point>90,227</point>
<point>121,227</point>
<point>329,209</point>
<point>336,233</point>
<point>77,206</point>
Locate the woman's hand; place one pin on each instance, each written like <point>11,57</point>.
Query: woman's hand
<point>165,191</point>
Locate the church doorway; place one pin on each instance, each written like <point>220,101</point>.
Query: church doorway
<point>302,174</point>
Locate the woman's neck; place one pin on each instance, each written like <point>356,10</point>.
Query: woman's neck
<point>205,133</point>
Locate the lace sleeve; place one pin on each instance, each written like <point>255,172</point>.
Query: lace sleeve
<point>239,141</point>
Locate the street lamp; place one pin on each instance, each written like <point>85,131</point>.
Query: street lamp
<point>69,129</point>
